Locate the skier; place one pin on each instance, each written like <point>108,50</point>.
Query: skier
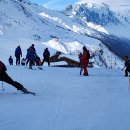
<point>10,60</point>
<point>18,53</point>
<point>30,57</point>
<point>85,60</point>
<point>127,65</point>
<point>6,78</point>
<point>46,56</point>
<point>33,48</point>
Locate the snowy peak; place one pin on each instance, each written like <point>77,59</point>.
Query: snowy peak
<point>69,8</point>
<point>97,14</point>
<point>31,23</point>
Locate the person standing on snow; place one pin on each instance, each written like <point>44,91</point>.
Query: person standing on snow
<point>10,60</point>
<point>6,78</point>
<point>18,53</point>
<point>33,48</point>
<point>127,65</point>
<point>85,60</point>
<point>30,57</point>
<point>46,56</point>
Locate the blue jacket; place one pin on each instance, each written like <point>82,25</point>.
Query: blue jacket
<point>30,55</point>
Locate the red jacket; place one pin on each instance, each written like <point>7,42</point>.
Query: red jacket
<point>84,57</point>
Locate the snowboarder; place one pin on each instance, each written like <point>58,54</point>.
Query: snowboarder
<point>127,65</point>
<point>18,53</point>
<point>10,60</point>
<point>6,78</point>
<point>46,56</point>
<point>85,60</point>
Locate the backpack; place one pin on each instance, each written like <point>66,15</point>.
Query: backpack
<point>2,66</point>
<point>88,55</point>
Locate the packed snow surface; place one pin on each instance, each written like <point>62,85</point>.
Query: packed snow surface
<point>65,100</point>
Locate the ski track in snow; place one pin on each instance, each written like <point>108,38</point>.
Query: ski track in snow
<point>65,100</point>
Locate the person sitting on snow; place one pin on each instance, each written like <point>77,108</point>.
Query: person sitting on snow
<point>38,60</point>
<point>127,65</point>
<point>23,62</point>
<point>6,78</point>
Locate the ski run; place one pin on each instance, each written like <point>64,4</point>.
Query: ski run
<point>65,100</point>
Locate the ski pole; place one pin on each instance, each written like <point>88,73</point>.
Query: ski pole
<point>81,70</point>
<point>2,86</point>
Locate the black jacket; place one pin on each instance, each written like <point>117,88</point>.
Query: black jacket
<point>127,63</point>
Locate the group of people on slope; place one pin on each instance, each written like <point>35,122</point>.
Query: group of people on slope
<point>31,53</point>
<point>6,78</point>
<point>31,57</point>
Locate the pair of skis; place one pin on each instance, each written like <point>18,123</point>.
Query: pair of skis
<point>40,68</point>
<point>29,92</point>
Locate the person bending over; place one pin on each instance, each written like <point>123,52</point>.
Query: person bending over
<point>6,78</point>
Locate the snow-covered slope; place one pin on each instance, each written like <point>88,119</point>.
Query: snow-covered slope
<point>65,100</point>
<point>112,27</point>
<point>23,23</point>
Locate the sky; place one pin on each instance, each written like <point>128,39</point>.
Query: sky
<point>55,4</point>
<point>61,4</point>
